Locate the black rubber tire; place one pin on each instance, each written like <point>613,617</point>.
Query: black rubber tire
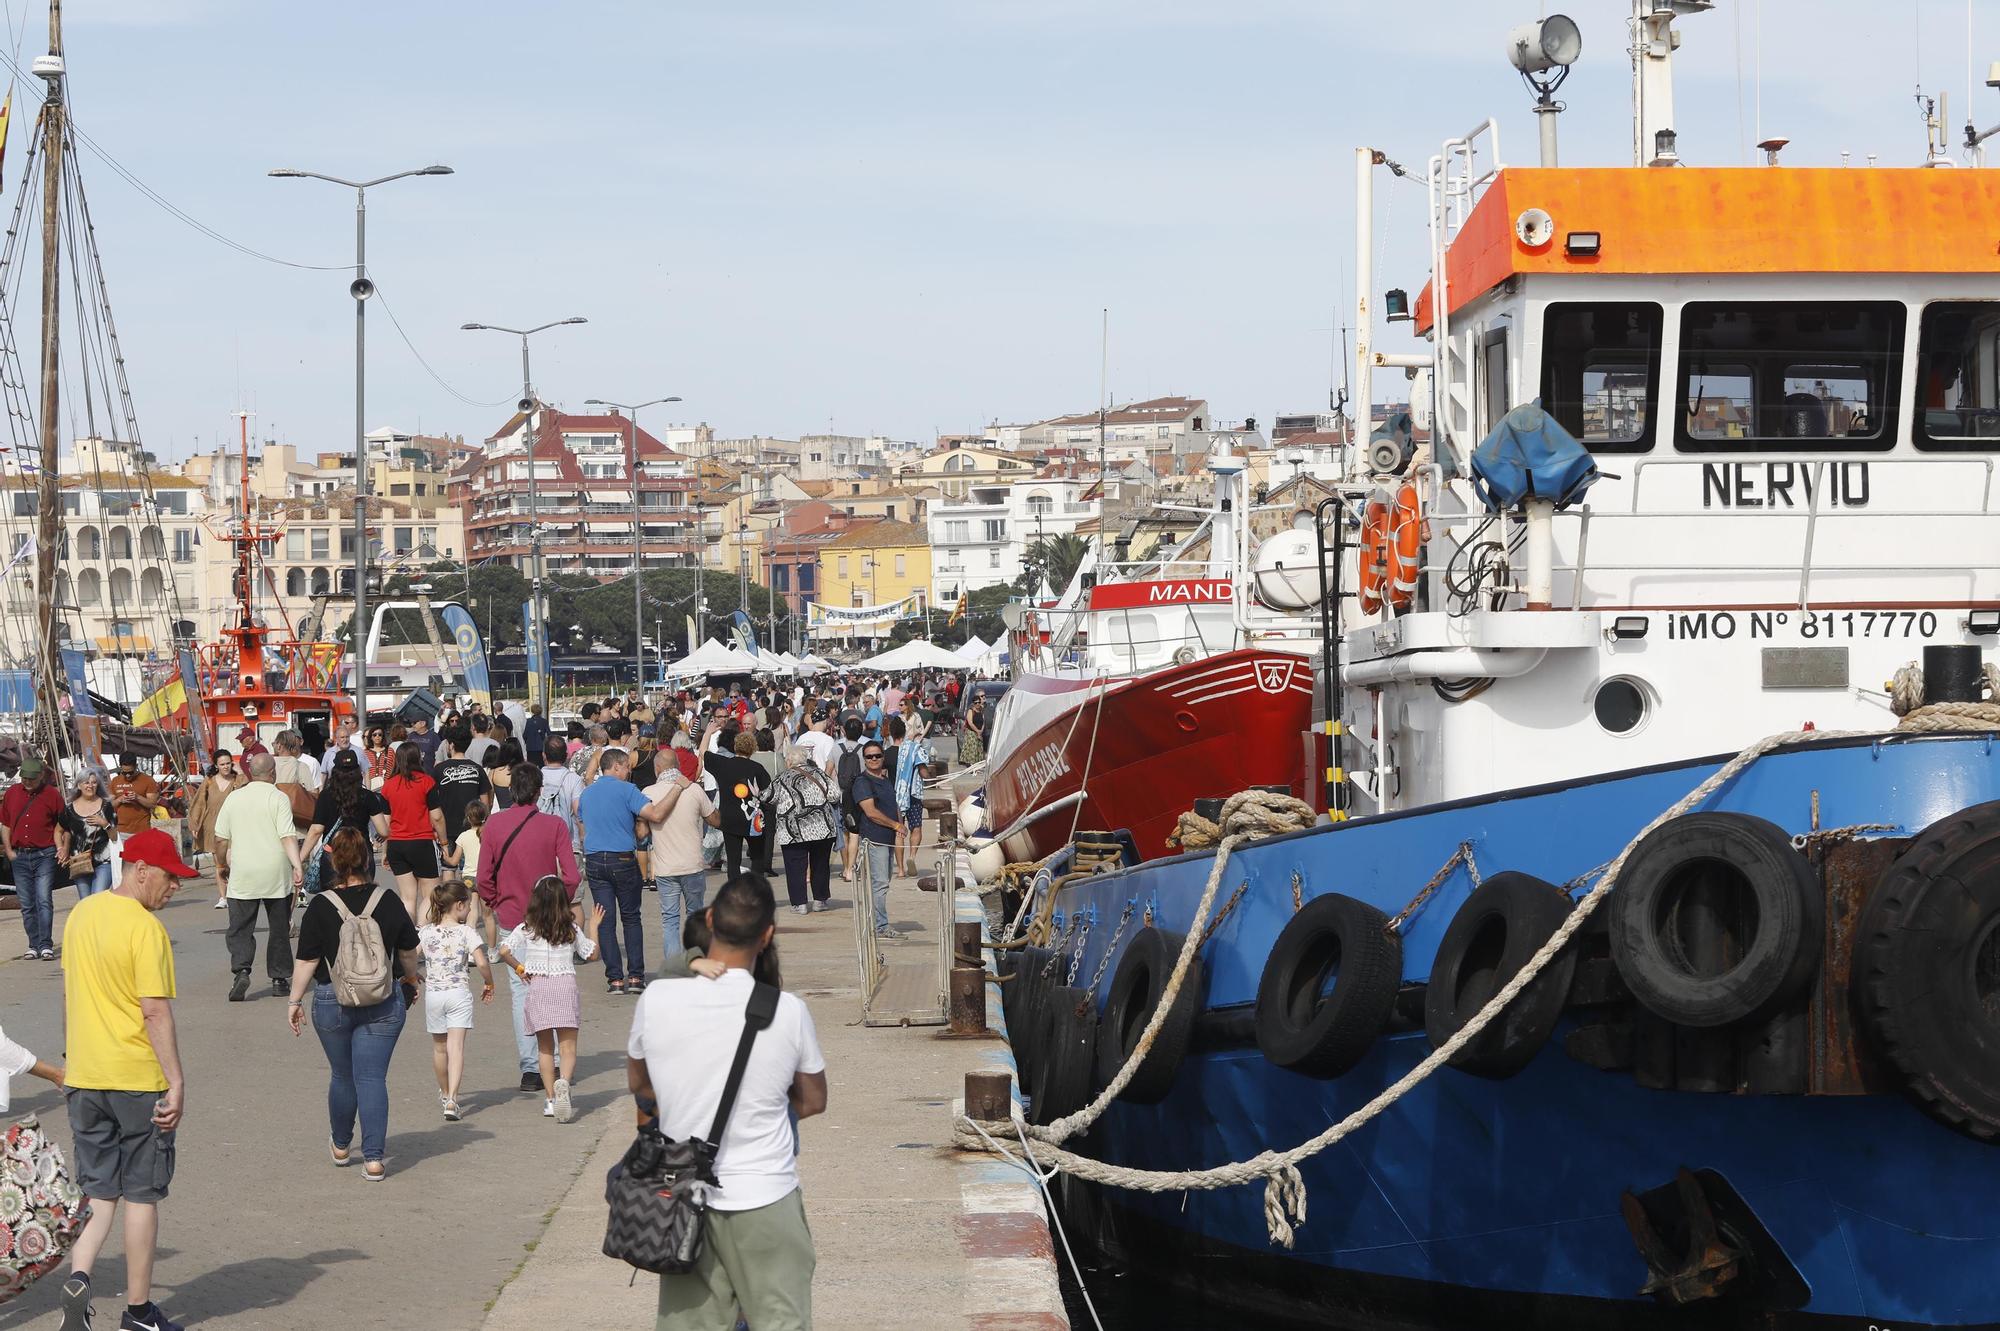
<point>1779,914</point>
<point>1135,989</point>
<point>1503,923</point>
<point>1927,969</point>
<point>1016,988</point>
<point>1305,1027</point>
<point>1023,1025</point>
<point>1042,1029</point>
<point>1069,1060</point>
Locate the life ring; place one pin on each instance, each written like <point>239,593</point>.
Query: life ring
<point>1716,919</point>
<point>1135,991</point>
<point>1068,1056</point>
<point>1501,925</point>
<point>1392,546</point>
<point>1302,1025</point>
<point>1924,968</point>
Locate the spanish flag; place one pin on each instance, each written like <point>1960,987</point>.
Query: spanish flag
<point>165,703</point>
<point>958,612</point>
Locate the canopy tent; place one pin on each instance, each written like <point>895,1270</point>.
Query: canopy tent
<point>917,654</point>
<point>972,648</point>
<point>712,658</point>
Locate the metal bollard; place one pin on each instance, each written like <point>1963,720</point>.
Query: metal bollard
<point>967,1015</point>
<point>987,1096</point>
<point>967,939</point>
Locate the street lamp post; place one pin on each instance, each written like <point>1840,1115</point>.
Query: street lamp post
<point>638,562</point>
<point>537,639</point>
<point>361,288</point>
<point>743,565</point>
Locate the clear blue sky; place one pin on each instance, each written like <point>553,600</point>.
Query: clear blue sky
<point>890,217</point>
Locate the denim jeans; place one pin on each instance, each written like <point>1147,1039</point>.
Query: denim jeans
<point>681,895</point>
<point>808,864</point>
<point>35,882</point>
<point>358,1043</point>
<point>99,881</point>
<point>524,1043</point>
<point>881,860</point>
<point>614,885</point>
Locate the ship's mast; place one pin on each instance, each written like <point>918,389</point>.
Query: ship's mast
<point>48,664</point>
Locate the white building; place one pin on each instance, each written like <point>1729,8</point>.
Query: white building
<point>979,541</point>
<point>1131,429</point>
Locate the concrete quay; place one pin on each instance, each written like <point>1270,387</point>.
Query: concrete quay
<point>494,1222</point>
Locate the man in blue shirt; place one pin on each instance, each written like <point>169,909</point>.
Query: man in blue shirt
<point>874,796</point>
<point>608,807</point>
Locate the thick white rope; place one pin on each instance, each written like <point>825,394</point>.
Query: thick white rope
<point>1284,1193</point>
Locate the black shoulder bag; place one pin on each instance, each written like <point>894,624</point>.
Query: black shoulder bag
<point>656,1192</point>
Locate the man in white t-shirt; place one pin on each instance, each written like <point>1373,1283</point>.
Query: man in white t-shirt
<point>758,1261</point>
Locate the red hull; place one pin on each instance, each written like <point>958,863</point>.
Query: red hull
<point>1163,741</point>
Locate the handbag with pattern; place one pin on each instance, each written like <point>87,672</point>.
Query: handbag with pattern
<point>41,1208</point>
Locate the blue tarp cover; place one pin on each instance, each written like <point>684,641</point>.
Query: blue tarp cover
<point>1530,456</point>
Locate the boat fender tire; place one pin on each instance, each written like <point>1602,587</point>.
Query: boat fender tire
<point>1042,1028</point>
<point>1068,1061</point>
<point>1136,987</point>
<point>1023,1024</point>
<point>1300,1023</point>
<point>1927,967</point>
<point>1501,925</point>
<point>1656,919</point>
<point>1018,967</point>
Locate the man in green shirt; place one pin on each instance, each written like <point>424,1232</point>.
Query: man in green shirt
<point>264,870</point>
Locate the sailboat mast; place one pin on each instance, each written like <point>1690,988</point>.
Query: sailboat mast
<point>49,512</point>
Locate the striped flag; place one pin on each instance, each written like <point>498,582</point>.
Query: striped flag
<point>958,612</point>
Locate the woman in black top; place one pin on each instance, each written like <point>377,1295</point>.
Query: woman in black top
<point>358,1040</point>
<point>744,790</point>
<point>346,801</point>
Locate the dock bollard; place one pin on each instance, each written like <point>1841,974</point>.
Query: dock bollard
<point>967,938</point>
<point>968,1000</point>
<point>987,1098</point>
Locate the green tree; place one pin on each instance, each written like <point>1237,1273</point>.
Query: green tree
<point>1055,558</point>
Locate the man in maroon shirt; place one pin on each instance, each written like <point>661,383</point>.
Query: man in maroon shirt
<point>33,836</point>
<point>517,847</point>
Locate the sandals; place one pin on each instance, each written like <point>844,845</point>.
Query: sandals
<point>451,1111</point>
<point>374,1171</point>
<point>341,1159</point>
<point>614,986</point>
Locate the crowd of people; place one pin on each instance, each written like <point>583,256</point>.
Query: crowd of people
<point>510,844</point>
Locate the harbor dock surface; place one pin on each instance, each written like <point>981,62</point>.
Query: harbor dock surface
<point>494,1223</point>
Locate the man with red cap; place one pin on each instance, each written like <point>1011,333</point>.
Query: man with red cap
<point>126,1089</point>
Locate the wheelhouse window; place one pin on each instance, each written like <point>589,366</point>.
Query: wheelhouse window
<point>1789,376</point>
<point>1601,372</point>
<point>1958,376</point>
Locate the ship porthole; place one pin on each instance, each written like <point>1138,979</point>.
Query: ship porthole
<point>1186,721</point>
<point>1622,705</point>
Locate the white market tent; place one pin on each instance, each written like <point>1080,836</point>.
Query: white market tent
<point>712,658</point>
<point>972,649</point>
<point>917,654</point>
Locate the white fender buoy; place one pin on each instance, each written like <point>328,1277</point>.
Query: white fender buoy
<point>971,817</point>
<point>987,860</point>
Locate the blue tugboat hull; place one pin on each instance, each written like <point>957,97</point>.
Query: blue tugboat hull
<point>1500,1198</point>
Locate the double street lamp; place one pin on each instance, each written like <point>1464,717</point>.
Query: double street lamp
<point>361,288</point>
<point>638,559</point>
<point>537,639</point>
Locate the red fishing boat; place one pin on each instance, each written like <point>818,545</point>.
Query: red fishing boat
<point>1156,685</point>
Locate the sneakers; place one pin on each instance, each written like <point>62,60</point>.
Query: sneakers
<point>798,910</point>
<point>451,1111</point>
<point>549,1106</point>
<point>76,1302</point>
<point>281,988</point>
<point>565,1111</point>
<point>819,906</point>
<point>220,902</point>
<point>239,988</point>
<point>531,1083</point>
<point>46,954</point>
<point>893,935</point>
<point>149,1318</point>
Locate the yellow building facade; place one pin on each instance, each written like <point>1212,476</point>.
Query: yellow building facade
<point>877,563</point>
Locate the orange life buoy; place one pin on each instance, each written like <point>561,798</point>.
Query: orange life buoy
<point>1374,568</point>
<point>1392,543</point>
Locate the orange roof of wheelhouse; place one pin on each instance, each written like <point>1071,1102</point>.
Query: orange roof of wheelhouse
<point>1730,220</point>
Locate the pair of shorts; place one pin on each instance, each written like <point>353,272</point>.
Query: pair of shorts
<point>447,1009</point>
<point>413,857</point>
<point>118,1154</point>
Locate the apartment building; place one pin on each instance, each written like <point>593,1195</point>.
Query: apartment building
<point>979,541</point>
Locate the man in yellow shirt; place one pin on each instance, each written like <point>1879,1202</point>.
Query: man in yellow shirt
<point>125,1088</point>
